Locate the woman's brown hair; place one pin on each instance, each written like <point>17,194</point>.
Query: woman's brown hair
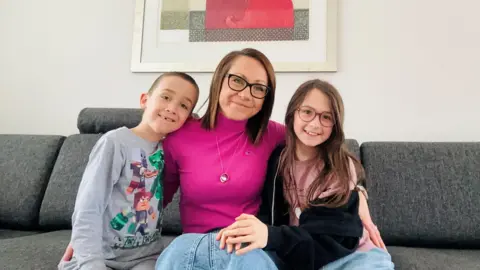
<point>333,152</point>
<point>257,124</point>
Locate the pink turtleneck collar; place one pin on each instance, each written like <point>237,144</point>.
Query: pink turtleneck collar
<point>225,124</point>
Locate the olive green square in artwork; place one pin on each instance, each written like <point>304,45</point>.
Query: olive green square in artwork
<point>174,20</point>
<point>174,14</point>
<point>175,5</point>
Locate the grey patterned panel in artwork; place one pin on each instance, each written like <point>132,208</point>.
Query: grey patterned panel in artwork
<point>196,26</point>
<point>260,34</point>
<point>301,28</point>
<point>197,20</point>
<point>195,35</point>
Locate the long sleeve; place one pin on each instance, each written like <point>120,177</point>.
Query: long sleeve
<point>323,236</point>
<point>171,180</point>
<point>103,170</point>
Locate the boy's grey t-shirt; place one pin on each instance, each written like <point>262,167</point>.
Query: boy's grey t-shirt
<point>118,210</point>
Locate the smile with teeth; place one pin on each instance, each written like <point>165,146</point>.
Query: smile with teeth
<point>166,118</point>
<point>311,133</point>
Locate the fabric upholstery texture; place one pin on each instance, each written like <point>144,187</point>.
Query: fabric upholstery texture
<point>424,194</point>
<point>26,162</point>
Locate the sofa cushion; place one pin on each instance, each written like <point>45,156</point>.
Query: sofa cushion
<point>4,234</point>
<point>435,259</point>
<point>353,147</point>
<point>26,162</point>
<point>40,251</point>
<point>59,201</point>
<point>424,194</point>
<point>171,217</point>
<point>102,120</point>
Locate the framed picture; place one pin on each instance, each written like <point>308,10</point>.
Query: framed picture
<point>193,35</point>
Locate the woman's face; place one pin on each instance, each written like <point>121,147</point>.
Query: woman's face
<point>239,104</point>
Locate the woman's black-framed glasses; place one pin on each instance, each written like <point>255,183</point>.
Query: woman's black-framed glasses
<point>307,114</point>
<point>237,83</point>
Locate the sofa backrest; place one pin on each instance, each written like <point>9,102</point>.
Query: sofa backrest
<point>59,200</point>
<point>26,162</point>
<point>424,194</point>
<point>102,120</point>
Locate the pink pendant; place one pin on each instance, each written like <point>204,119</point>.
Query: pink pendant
<point>224,177</point>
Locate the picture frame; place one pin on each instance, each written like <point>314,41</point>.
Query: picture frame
<point>166,37</point>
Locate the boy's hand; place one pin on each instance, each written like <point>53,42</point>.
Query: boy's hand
<point>246,229</point>
<point>67,256</point>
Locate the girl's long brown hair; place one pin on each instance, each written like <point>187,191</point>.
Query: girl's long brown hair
<point>333,152</point>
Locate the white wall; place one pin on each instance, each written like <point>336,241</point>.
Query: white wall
<point>408,69</point>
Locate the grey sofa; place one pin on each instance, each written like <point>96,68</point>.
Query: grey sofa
<point>424,197</point>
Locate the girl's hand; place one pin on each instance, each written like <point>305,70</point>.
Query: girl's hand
<point>364,214</point>
<point>374,235</point>
<point>246,229</point>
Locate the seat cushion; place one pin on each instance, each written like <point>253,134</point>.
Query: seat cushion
<point>59,201</point>
<point>434,259</point>
<point>425,194</point>
<point>40,251</point>
<point>4,234</point>
<point>26,162</point>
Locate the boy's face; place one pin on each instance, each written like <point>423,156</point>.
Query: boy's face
<point>167,108</point>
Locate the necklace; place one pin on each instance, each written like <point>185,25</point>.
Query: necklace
<point>224,177</point>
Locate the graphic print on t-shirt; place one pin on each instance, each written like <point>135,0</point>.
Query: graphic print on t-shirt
<point>139,222</point>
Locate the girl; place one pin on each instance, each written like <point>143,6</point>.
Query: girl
<point>310,198</point>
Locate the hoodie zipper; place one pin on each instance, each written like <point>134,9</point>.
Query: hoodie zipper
<point>273,197</point>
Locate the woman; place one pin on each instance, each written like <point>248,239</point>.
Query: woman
<point>220,162</point>
<point>233,142</point>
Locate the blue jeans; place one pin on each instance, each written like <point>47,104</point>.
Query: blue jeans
<point>374,259</point>
<point>194,251</point>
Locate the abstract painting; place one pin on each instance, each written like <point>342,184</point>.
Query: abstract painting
<point>251,20</point>
<point>193,35</point>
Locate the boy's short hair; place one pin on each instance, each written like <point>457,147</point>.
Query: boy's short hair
<point>182,75</point>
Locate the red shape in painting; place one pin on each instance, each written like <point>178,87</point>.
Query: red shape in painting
<point>224,14</point>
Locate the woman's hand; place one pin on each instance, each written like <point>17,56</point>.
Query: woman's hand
<point>364,214</point>
<point>223,240</point>
<point>246,229</point>
<point>67,256</point>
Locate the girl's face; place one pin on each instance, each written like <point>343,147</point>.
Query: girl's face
<point>241,104</point>
<point>313,121</point>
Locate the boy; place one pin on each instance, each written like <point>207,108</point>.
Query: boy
<point>117,219</point>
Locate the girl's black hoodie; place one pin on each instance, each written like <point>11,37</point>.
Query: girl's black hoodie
<point>323,235</point>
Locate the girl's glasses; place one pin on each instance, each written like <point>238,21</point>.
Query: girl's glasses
<point>307,114</point>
